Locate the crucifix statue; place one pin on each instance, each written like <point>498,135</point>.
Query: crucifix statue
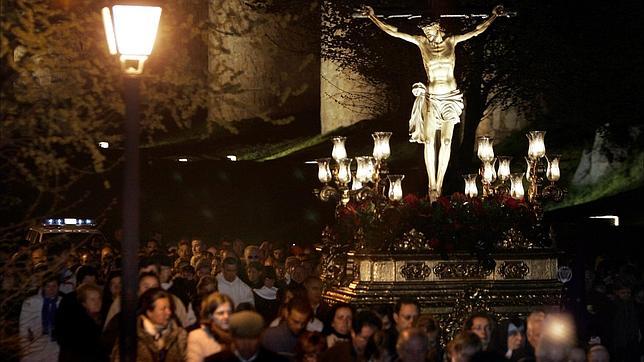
<point>438,104</point>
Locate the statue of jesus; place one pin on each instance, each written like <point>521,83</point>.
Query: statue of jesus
<point>445,101</point>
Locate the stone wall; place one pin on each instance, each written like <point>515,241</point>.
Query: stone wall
<point>247,51</point>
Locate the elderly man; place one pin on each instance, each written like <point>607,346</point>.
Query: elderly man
<point>445,100</point>
<point>246,328</point>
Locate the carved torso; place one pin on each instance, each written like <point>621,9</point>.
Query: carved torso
<point>439,60</point>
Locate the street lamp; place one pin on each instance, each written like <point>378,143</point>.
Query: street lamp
<point>130,31</point>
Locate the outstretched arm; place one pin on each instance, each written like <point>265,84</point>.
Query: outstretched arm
<point>389,29</point>
<point>496,12</point>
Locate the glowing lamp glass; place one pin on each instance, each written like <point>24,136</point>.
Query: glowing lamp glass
<point>339,151</point>
<point>381,150</point>
<point>516,186</point>
<point>470,185</point>
<point>344,171</point>
<point>504,167</point>
<point>324,171</point>
<point>536,145</point>
<point>553,173</point>
<point>485,150</point>
<point>395,187</point>
<point>488,174</point>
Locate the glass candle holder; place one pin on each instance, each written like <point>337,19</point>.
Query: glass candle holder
<point>395,187</point>
<point>516,186</point>
<point>339,151</point>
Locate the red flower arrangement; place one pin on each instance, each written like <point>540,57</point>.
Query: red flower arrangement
<point>452,223</point>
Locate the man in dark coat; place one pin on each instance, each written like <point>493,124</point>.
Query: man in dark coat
<point>245,329</point>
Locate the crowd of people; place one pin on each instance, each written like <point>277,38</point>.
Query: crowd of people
<point>237,302</point>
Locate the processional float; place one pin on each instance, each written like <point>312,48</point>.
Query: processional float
<point>470,251</point>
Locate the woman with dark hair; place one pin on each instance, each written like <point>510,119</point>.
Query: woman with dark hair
<point>213,336</point>
<point>340,326</point>
<point>159,336</point>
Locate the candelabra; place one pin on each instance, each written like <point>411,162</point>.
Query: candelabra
<point>343,184</point>
<point>502,181</point>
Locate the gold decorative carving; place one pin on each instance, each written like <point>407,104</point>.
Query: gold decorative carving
<point>412,241</point>
<point>415,271</point>
<point>461,270</point>
<point>514,270</point>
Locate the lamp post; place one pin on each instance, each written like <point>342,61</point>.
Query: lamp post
<point>130,31</point>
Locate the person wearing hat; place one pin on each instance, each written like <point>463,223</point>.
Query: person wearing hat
<point>246,328</point>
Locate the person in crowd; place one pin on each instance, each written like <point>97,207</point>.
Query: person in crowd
<point>412,345</point>
<point>184,251</point>
<point>37,322</point>
<point>80,340</point>
<point>206,285</point>
<point>238,247</point>
<point>165,271</point>
<point>197,247</point>
<point>598,353</point>
<point>534,328</point>
<point>465,345</point>
<point>321,309</point>
<point>298,274</point>
<point>265,249</point>
<point>480,324</point>
<point>432,330</point>
<point>184,284</point>
<point>511,338</point>
<point>309,347</point>
<point>285,295</point>
<point>213,334</point>
<point>231,285</point>
<point>340,326</point>
<point>385,312</point>
<point>149,264</point>
<point>557,340</point>
<point>152,247</point>
<point>251,254</point>
<point>246,329</point>
<point>38,256</point>
<point>624,327</point>
<point>254,277</point>
<point>289,265</point>
<point>204,267</point>
<point>266,302</point>
<point>70,309</point>
<point>283,338</point>
<point>111,291</point>
<point>215,265</point>
<point>148,281</point>
<point>406,313</point>
<point>159,336</point>
<point>362,346</point>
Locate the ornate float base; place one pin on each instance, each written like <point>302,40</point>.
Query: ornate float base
<point>451,289</point>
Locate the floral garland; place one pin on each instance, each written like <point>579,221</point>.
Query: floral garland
<point>454,223</point>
